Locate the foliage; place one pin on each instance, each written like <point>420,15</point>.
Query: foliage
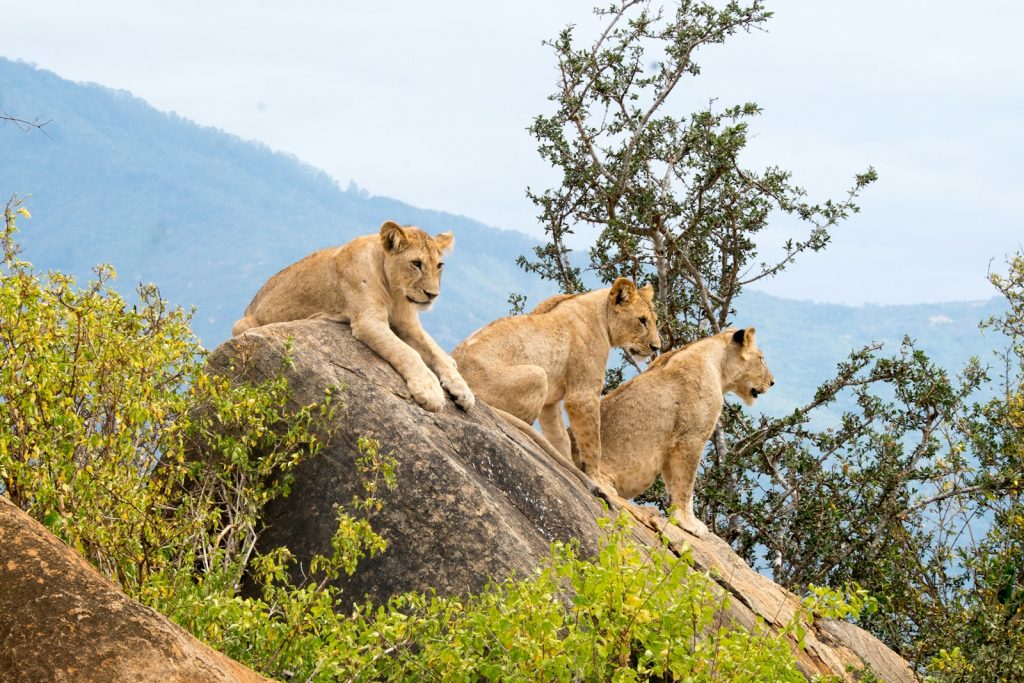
<point>117,439</point>
<point>849,602</point>
<point>287,631</point>
<point>626,615</point>
<point>667,194</point>
<point>893,496</point>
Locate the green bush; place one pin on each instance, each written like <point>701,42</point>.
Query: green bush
<point>117,439</point>
<point>628,614</point>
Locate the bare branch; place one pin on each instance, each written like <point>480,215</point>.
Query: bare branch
<point>25,125</point>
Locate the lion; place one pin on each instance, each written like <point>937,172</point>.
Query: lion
<point>659,421</point>
<point>528,365</point>
<point>378,283</point>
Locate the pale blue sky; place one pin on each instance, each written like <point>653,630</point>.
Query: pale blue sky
<point>428,103</point>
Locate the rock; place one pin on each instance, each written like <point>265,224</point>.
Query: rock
<point>60,620</point>
<point>472,501</point>
<point>475,499</point>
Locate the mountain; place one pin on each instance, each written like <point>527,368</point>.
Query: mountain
<point>803,341</point>
<point>209,217</point>
<point>206,215</point>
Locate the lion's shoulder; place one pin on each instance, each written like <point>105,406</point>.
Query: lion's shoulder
<point>551,302</point>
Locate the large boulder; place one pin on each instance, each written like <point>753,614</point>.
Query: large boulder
<point>476,500</point>
<point>60,620</point>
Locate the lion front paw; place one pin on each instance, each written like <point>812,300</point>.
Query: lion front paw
<point>690,523</point>
<point>427,391</point>
<point>457,387</point>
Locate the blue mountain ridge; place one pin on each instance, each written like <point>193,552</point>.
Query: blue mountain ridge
<point>209,217</point>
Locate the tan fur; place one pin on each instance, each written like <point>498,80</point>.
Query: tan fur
<point>527,365</point>
<point>659,421</point>
<point>378,283</point>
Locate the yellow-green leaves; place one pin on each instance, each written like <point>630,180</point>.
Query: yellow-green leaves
<point>109,420</point>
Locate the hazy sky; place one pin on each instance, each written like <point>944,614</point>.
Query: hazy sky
<point>428,102</point>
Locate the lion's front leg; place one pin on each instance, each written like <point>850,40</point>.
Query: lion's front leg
<point>375,333</point>
<point>437,360</point>
<point>448,372</point>
<point>679,471</point>
<point>585,418</point>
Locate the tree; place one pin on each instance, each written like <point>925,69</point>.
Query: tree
<point>668,194</point>
<point>889,497</point>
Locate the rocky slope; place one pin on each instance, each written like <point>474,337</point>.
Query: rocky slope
<point>61,621</point>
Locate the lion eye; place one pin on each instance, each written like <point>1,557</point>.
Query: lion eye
<point>418,264</point>
<point>440,265</point>
<point>643,321</point>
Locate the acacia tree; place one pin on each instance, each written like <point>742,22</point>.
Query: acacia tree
<point>887,498</point>
<point>666,193</point>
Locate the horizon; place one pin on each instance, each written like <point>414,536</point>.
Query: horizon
<point>353,186</point>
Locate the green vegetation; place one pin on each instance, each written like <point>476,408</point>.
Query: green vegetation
<point>904,514</point>
<point>913,490</point>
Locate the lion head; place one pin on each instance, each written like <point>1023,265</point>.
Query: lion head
<point>748,374</point>
<point>632,322</point>
<point>412,262</point>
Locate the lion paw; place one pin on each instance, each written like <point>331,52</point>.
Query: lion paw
<point>427,391</point>
<point>457,387</point>
<point>691,524</point>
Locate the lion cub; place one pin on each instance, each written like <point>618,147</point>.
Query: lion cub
<point>660,420</point>
<point>378,283</point>
<point>526,365</point>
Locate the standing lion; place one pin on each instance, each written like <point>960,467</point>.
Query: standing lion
<point>527,365</point>
<point>659,421</point>
<point>378,283</point>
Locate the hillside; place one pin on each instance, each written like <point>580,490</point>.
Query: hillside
<point>204,214</point>
<point>209,216</point>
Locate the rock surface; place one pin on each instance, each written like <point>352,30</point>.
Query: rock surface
<point>475,499</point>
<point>60,620</point>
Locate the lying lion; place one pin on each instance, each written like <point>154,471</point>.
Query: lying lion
<point>378,283</point>
<point>659,421</point>
<point>527,365</point>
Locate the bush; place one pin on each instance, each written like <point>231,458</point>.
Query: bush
<point>116,438</point>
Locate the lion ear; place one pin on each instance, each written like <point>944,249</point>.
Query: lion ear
<point>647,292</point>
<point>623,290</point>
<point>444,241</point>
<point>393,237</point>
<point>744,337</point>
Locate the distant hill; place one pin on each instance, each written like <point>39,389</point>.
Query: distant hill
<point>803,341</point>
<point>209,216</point>
<point>205,215</point>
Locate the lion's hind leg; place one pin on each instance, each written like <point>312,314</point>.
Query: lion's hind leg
<point>516,389</point>
<point>553,426</point>
<point>243,324</point>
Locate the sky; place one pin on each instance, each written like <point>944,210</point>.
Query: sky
<point>429,103</point>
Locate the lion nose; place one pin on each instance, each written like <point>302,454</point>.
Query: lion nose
<point>772,384</point>
<point>431,295</point>
<point>656,345</point>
